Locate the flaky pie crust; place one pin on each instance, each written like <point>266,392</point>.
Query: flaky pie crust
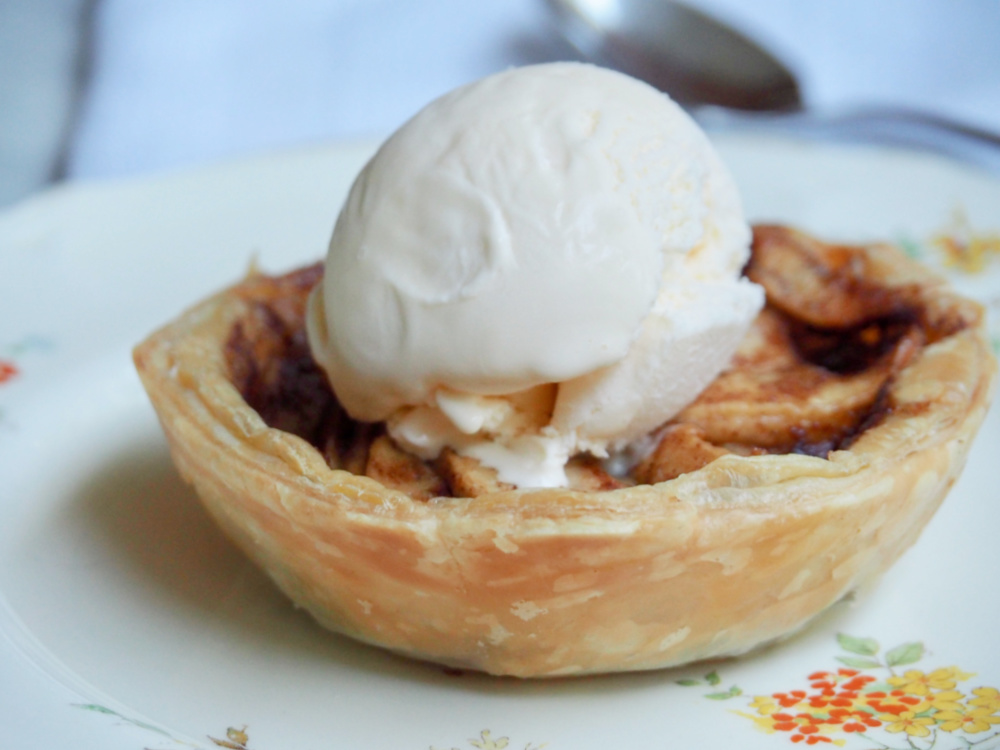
<point>542,583</point>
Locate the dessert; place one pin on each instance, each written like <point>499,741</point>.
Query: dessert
<point>800,473</point>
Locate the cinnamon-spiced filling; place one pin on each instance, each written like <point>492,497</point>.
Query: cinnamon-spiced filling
<point>812,375</point>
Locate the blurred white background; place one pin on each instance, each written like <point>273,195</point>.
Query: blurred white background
<point>95,89</point>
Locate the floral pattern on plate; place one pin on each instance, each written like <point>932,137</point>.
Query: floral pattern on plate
<point>964,248</point>
<point>11,358</point>
<point>964,251</point>
<point>11,355</point>
<point>871,703</point>
<point>237,739</point>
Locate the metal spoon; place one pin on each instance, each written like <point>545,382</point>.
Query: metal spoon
<point>727,80</point>
<point>680,50</point>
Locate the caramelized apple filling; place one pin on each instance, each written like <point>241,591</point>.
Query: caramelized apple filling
<point>810,377</point>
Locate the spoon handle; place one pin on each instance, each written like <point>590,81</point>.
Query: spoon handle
<point>887,125</point>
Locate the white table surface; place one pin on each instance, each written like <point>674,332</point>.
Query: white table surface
<point>178,83</point>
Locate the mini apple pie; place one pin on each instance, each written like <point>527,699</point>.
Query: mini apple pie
<point>799,474</point>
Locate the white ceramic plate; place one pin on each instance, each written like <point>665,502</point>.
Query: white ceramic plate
<point>127,621</point>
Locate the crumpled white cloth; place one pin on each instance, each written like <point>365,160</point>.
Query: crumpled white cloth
<point>191,81</point>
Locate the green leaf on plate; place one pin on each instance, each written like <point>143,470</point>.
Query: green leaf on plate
<point>859,662</point>
<point>908,653</point>
<point>96,708</point>
<point>688,682</point>
<point>862,646</point>
<point>731,693</point>
<point>908,246</point>
<point>134,722</point>
<point>713,678</point>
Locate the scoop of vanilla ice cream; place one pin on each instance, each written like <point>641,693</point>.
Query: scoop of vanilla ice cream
<point>544,262</point>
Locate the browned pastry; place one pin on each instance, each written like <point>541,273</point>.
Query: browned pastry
<point>800,474</point>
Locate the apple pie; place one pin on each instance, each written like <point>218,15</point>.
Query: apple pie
<point>800,474</point>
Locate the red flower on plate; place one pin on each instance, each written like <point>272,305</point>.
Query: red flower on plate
<point>8,371</point>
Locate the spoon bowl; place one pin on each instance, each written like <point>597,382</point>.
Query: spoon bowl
<point>680,50</point>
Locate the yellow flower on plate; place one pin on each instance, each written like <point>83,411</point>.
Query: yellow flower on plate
<point>974,721</point>
<point>909,722</point>
<point>944,700</point>
<point>986,697</point>
<point>765,705</point>
<point>487,742</point>
<point>764,723</point>
<point>916,682</point>
<point>964,248</point>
